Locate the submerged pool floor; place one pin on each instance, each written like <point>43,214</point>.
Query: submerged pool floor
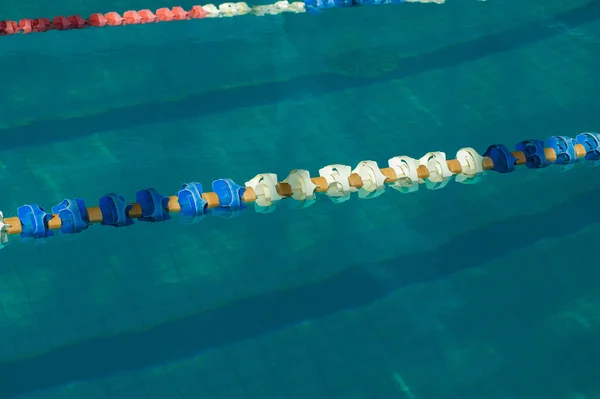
<point>472,291</point>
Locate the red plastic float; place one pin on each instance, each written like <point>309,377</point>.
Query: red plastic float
<point>179,14</point>
<point>197,12</point>
<point>97,20</point>
<point>132,18</point>
<point>147,16</point>
<point>41,25</point>
<point>77,22</point>
<point>113,19</point>
<point>164,15</point>
<point>61,23</point>
<point>8,28</point>
<point>25,26</point>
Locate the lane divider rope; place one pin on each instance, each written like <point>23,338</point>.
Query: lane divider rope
<point>265,191</point>
<point>146,16</point>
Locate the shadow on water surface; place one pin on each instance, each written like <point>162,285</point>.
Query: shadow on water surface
<point>272,92</point>
<point>250,317</point>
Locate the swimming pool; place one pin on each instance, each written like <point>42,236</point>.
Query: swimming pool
<point>471,291</point>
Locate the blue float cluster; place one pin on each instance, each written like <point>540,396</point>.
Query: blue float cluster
<point>315,6</point>
<point>115,210</point>
<point>535,158</point>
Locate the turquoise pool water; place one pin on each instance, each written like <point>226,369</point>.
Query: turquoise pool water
<point>473,291</point>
